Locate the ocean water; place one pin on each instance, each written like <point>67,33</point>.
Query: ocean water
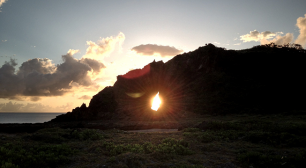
<point>27,117</point>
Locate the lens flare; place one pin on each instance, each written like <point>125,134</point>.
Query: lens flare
<point>156,102</point>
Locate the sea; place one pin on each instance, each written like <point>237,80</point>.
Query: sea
<point>27,117</point>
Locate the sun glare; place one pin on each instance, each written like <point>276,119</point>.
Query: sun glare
<point>156,102</point>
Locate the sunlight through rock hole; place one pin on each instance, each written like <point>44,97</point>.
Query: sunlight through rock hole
<point>156,102</point>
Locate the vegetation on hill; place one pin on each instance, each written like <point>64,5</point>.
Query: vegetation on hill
<point>258,141</point>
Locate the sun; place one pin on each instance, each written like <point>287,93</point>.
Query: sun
<point>156,102</point>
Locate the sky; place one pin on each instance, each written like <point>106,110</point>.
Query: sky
<point>56,55</point>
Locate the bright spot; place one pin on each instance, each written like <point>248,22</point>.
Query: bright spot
<point>156,102</point>
<point>135,95</point>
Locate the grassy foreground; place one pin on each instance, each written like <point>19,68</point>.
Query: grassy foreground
<point>223,142</point>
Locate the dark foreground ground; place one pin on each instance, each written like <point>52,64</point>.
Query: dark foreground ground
<point>218,141</point>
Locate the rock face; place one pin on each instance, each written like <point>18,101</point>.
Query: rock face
<point>262,79</point>
<point>104,102</point>
<point>101,106</point>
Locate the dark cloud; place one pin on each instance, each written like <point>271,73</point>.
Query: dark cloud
<point>11,107</point>
<point>151,49</point>
<point>39,77</point>
<point>33,107</point>
<point>10,83</point>
<point>35,98</point>
<point>42,66</point>
<point>85,97</point>
<point>94,64</point>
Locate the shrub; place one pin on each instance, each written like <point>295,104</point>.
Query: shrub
<point>189,166</point>
<point>168,146</point>
<point>173,146</point>
<point>49,135</point>
<point>86,134</point>
<point>191,129</point>
<point>265,159</point>
<point>35,156</point>
<point>8,165</point>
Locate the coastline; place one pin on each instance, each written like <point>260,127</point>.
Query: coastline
<point>27,117</point>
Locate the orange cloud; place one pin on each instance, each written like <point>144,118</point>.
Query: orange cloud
<point>279,40</point>
<point>301,24</point>
<point>2,2</point>
<point>85,97</point>
<point>72,51</point>
<point>103,47</point>
<point>257,36</point>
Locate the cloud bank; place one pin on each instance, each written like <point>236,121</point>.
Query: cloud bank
<point>33,107</point>
<point>40,77</point>
<point>151,49</point>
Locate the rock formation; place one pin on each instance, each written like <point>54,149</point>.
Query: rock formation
<point>262,79</point>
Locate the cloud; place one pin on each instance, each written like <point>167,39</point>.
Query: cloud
<point>151,49</point>
<point>237,44</point>
<point>104,47</point>
<point>217,42</point>
<point>267,37</point>
<point>253,36</point>
<point>34,98</point>
<point>85,97</point>
<point>301,24</point>
<point>257,36</point>
<point>72,51</point>
<point>2,2</point>
<point>10,107</point>
<point>94,64</point>
<point>279,40</point>
<point>10,84</point>
<point>40,65</point>
<point>40,77</point>
<point>33,107</point>
<point>66,107</point>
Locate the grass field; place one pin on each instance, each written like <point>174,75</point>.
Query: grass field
<point>223,142</point>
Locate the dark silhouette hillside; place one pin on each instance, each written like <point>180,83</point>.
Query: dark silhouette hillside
<point>210,80</point>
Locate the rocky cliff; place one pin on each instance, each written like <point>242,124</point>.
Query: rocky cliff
<point>262,79</point>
